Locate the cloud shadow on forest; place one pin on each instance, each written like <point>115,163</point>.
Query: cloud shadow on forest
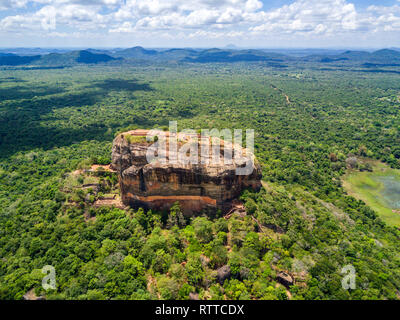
<point>27,92</point>
<point>21,124</point>
<point>121,84</point>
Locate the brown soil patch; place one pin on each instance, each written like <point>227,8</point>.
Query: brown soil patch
<point>93,168</point>
<point>30,295</point>
<point>88,218</point>
<point>287,291</point>
<point>105,167</point>
<point>116,202</point>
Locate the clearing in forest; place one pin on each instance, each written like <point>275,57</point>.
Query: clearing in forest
<point>379,189</point>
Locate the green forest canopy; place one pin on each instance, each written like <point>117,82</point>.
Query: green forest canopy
<point>54,121</point>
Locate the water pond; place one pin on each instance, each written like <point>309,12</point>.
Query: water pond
<point>391,190</point>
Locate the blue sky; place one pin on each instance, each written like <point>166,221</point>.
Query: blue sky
<point>200,23</point>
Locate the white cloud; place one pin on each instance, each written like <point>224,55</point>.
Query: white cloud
<point>385,18</point>
<point>48,17</point>
<point>198,18</point>
<point>310,16</point>
<point>9,4</point>
<point>185,14</point>
<point>253,5</point>
<point>214,35</point>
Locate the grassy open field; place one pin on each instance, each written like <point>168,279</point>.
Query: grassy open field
<point>377,189</point>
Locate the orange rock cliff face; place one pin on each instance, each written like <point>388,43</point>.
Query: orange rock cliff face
<point>203,186</point>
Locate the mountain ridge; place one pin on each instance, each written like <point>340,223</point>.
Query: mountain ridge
<point>383,57</point>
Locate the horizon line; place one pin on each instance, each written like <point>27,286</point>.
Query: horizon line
<point>201,47</point>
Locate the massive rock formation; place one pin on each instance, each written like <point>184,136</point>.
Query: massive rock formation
<point>158,184</point>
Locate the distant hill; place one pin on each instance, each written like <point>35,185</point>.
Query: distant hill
<point>74,57</point>
<point>56,59</point>
<point>231,46</point>
<point>384,56</point>
<point>135,53</point>
<point>33,51</point>
<point>355,55</point>
<point>7,59</point>
<point>364,59</point>
<point>178,54</point>
<point>218,55</point>
<point>198,56</point>
<point>99,51</point>
<point>139,53</point>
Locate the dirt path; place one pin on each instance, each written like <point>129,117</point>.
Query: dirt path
<point>287,291</point>
<point>152,283</point>
<point>281,92</point>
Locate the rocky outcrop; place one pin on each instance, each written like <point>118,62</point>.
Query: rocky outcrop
<point>285,278</point>
<point>223,273</point>
<point>30,295</point>
<point>194,296</point>
<point>158,184</point>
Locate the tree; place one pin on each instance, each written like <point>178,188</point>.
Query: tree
<point>352,162</point>
<point>175,217</point>
<point>161,262</point>
<point>168,288</point>
<point>236,290</point>
<point>203,229</point>
<point>194,270</point>
<point>133,266</point>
